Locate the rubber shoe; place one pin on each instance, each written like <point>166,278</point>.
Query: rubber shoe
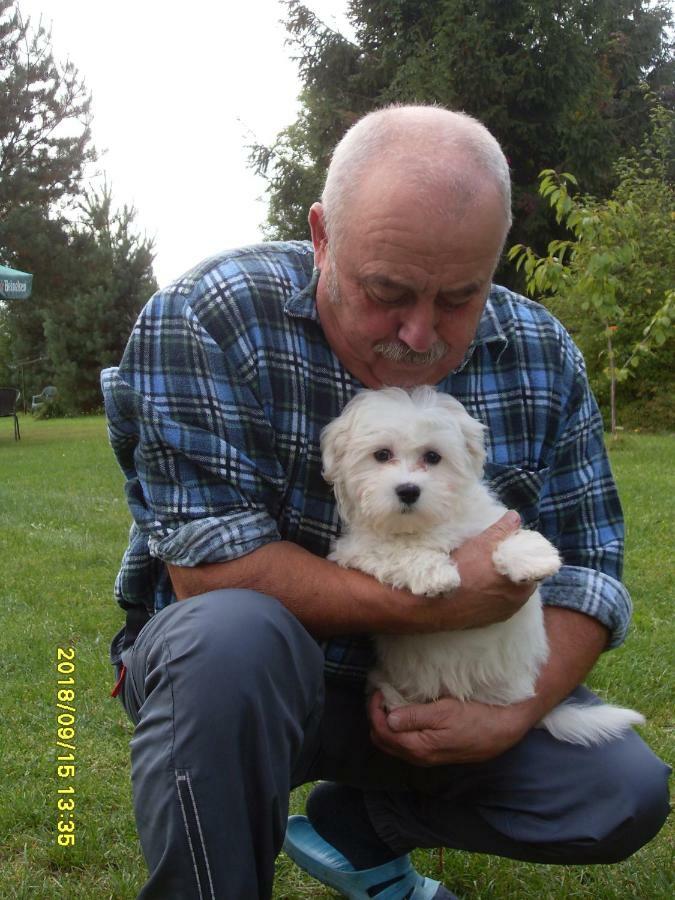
<point>395,880</point>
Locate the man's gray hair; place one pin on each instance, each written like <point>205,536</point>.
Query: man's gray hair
<point>430,145</point>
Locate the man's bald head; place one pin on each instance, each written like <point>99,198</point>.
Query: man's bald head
<point>448,158</point>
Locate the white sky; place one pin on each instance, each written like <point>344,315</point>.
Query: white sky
<point>176,87</point>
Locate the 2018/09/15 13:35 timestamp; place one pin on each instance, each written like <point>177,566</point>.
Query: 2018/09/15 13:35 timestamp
<point>65,768</point>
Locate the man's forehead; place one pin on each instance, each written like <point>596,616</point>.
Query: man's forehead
<point>396,228</point>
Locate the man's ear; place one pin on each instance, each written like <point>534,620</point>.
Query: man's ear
<point>317,226</point>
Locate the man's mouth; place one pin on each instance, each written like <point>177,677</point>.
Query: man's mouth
<point>398,352</point>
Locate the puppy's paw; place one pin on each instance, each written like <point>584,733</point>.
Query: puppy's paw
<point>434,579</point>
<point>392,699</point>
<point>526,556</point>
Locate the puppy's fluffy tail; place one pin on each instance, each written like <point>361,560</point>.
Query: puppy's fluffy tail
<point>588,725</point>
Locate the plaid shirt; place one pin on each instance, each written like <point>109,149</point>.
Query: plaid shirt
<point>227,380</point>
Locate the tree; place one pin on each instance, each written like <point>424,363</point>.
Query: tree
<point>45,144</point>
<point>92,271</point>
<point>99,272</point>
<point>295,165</point>
<point>555,80</point>
<point>87,329</point>
<point>612,282</point>
<point>44,120</point>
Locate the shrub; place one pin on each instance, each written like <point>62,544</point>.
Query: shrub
<point>612,283</point>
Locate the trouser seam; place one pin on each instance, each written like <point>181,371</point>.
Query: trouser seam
<point>183,775</point>
<point>201,833</point>
<point>167,660</point>
<point>179,777</point>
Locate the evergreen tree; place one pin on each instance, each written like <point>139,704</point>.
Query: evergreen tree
<point>557,82</point>
<point>88,328</point>
<point>92,271</point>
<point>41,162</point>
<point>45,144</point>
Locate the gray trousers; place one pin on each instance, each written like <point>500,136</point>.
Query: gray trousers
<point>232,711</point>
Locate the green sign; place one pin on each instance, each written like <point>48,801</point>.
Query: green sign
<point>14,285</point>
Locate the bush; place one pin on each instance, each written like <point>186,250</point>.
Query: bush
<point>611,284</point>
<point>51,409</point>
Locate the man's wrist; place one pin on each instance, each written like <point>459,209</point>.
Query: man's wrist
<point>529,713</point>
<point>430,615</point>
<point>575,642</point>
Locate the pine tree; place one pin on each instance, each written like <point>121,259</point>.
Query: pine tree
<point>88,328</point>
<point>92,271</point>
<point>45,144</point>
<point>41,162</point>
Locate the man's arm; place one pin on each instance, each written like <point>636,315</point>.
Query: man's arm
<point>450,731</point>
<point>330,600</point>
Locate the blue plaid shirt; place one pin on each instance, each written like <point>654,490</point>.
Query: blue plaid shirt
<point>227,380</point>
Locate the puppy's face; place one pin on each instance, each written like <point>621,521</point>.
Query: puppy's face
<point>398,461</point>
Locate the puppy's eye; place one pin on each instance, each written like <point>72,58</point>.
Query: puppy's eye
<point>382,455</point>
<point>431,458</point>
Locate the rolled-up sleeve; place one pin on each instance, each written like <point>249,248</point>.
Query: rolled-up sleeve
<point>202,480</point>
<point>581,513</point>
<point>593,593</point>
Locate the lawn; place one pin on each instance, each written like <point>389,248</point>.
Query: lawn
<point>63,525</point>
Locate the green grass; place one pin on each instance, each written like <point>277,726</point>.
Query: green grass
<point>63,526</point>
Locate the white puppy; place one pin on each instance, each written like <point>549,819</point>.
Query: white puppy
<point>406,469</point>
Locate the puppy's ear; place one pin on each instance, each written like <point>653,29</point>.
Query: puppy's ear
<point>472,430</point>
<point>335,442</point>
<point>335,438</point>
<point>474,435</point>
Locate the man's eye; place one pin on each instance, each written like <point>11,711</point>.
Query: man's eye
<point>389,296</point>
<point>432,458</point>
<point>450,305</point>
<point>382,455</point>
<point>387,301</point>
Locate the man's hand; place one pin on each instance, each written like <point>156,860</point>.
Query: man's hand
<point>448,731</point>
<point>484,595</point>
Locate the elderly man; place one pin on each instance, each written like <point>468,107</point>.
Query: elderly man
<point>253,683</point>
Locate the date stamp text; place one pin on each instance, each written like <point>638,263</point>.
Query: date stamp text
<point>65,746</point>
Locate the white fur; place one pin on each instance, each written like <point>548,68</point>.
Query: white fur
<point>408,546</point>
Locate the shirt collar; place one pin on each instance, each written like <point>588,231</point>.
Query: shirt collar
<point>489,331</point>
<point>303,304</point>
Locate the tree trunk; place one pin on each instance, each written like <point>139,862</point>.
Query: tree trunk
<point>612,382</point>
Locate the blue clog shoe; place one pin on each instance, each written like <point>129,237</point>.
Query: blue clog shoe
<point>395,880</point>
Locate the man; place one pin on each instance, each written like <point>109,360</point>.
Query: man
<point>253,683</point>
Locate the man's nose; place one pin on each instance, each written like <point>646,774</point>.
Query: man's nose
<point>418,328</point>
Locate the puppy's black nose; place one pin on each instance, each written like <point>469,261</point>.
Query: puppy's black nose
<point>408,493</point>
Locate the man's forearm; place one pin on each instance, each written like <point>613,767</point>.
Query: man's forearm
<point>330,600</point>
<point>575,641</point>
<point>327,600</point>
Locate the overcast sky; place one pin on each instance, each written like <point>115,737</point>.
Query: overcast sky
<point>178,88</point>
